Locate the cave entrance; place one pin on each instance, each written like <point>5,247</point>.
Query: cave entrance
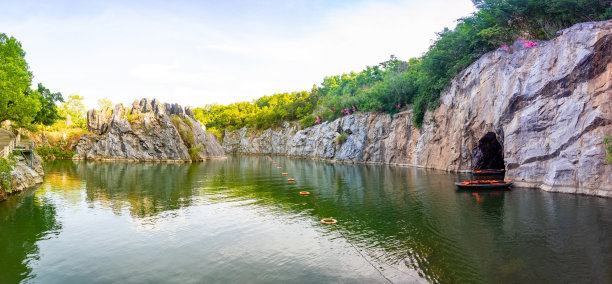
<point>489,154</point>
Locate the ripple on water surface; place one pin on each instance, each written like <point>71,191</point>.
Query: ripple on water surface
<point>240,220</point>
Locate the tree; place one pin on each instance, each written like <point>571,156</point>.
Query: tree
<point>105,103</point>
<point>16,103</point>
<point>48,112</point>
<point>74,109</point>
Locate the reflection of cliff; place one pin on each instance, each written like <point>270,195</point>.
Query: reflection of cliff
<point>406,217</point>
<point>147,189</point>
<point>24,220</point>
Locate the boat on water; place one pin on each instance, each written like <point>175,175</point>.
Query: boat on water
<point>484,184</point>
<point>488,172</point>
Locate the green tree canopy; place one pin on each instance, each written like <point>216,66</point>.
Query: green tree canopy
<point>74,108</point>
<point>48,112</point>
<point>16,102</point>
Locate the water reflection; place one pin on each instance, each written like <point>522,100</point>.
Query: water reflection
<point>145,189</point>
<point>25,220</point>
<point>402,220</point>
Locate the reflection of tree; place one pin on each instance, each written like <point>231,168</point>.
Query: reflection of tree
<point>148,188</point>
<point>24,220</point>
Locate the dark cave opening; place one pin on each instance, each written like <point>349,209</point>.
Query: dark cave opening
<point>489,154</point>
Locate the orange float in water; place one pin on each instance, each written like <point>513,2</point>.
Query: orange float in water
<point>290,179</point>
<point>304,193</point>
<point>328,221</point>
<point>285,174</point>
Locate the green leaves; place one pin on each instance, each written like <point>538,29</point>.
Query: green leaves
<point>16,104</point>
<point>74,111</point>
<point>607,141</point>
<point>48,113</point>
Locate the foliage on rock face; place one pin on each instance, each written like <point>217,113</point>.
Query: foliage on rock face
<point>340,139</point>
<point>57,144</point>
<point>186,135</point>
<point>308,121</point>
<point>6,166</point>
<point>608,145</point>
<point>54,152</point>
<point>394,85</point>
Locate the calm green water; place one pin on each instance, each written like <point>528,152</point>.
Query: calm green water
<point>240,221</point>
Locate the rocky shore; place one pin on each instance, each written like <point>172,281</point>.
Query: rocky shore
<point>548,107</point>
<point>23,176</point>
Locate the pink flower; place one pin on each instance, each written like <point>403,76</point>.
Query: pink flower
<point>505,47</point>
<point>527,43</point>
<point>353,108</point>
<point>318,120</point>
<point>399,105</point>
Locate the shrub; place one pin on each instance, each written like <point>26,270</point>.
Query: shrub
<point>52,152</point>
<point>6,166</point>
<point>308,121</point>
<point>340,139</point>
<point>607,141</point>
<point>193,153</point>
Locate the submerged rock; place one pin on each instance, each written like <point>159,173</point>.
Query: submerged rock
<point>149,131</point>
<point>549,108</point>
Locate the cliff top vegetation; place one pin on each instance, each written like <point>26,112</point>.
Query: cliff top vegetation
<point>395,85</point>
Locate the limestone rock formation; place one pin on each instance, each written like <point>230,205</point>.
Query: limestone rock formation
<point>148,131</point>
<point>549,108</point>
<point>23,176</point>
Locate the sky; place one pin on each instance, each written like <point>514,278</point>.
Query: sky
<point>202,52</point>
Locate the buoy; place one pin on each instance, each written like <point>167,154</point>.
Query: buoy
<point>304,193</point>
<point>285,174</point>
<point>328,221</point>
<point>290,179</point>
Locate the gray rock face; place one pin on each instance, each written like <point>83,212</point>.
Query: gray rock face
<point>146,132</point>
<point>549,107</point>
<point>23,176</point>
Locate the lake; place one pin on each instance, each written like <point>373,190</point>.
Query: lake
<point>239,220</point>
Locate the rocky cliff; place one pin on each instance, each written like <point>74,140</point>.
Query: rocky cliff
<point>541,112</point>
<point>148,131</point>
<point>23,176</point>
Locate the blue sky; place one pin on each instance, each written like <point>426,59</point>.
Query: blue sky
<point>201,52</point>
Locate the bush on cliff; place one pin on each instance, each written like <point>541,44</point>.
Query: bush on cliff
<point>54,152</point>
<point>394,85</point>
<point>185,132</point>
<point>607,141</point>
<point>6,166</point>
<point>340,139</point>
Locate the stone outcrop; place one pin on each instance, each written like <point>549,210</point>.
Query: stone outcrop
<point>148,131</point>
<point>23,176</point>
<point>549,108</point>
